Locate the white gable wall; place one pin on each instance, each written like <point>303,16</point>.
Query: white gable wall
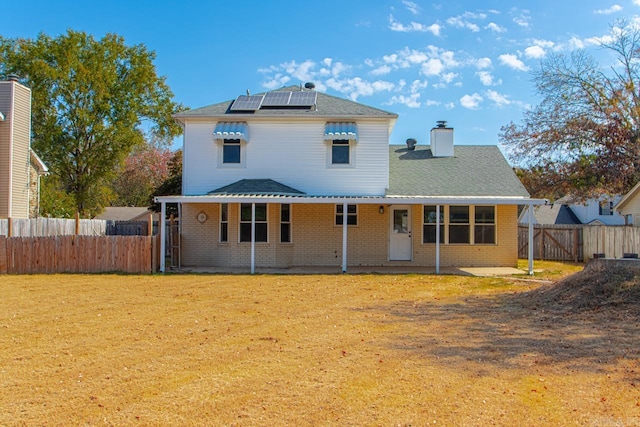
<point>590,211</point>
<point>294,154</point>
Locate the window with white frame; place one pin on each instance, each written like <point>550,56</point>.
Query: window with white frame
<point>224,222</point>
<point>285,223</point>
<point>484,227</point>
<point>340,152</point>
<point>429,224</point>
<point>460,225</point>
<point>260,222</point>
<point>352,214</point>
<point>231,152</point>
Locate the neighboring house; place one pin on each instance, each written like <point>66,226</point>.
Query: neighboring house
<point>629,206</point>
<point>20,167</point>
<point>567,211</point>
<point>296,177</point>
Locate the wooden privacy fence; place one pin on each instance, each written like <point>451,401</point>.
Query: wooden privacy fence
<point>79,254</point>
<point>579,243</point>
<point>552,242</point>
<point>52,227</point>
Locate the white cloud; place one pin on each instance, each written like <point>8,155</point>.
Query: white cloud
<point>512,61</point>
<point>495,27</point>
<point>486,78</point>
<point>450,106</point>
<point>356,87</point>
<point>636,2</point>
<point>613,9</point>
<point>382,70</point>
<point>411,101</point>
<point>499,99</point>
<point>522,19</point>
<point>432,67</point>
<point>418,85</point>
<point>327,61</point>
<point>431,103</point>
<point>278,81</point>
<point>338,68</point>
<point>448,77</point>
<point>471,102</point>
<point>483,63</point>
<point>411,6</point>
<point>535,52</point>
<point>457,21</point>
<point>413,27</point>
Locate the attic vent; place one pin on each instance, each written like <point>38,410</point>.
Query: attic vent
<point>441,123</point>
<point>309,85</point>
<point>411,144</point>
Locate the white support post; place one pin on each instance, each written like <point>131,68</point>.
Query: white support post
<point>344,237</point>
<point>437,239</point>
<point>253,238</point>
<point>530,248</point>
<point>163,232</point>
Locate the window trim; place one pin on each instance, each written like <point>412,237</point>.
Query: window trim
<point>287,223</point>
<point>243,153</point>
<point>446,224</point>
<point>349,215</point>
<point>350,143</point>
<point>241,222</point>
<point>224,209</point>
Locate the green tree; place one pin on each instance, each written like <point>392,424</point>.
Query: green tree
<point>172,186</point>
<point>93,102</point>
<point>584,137</point>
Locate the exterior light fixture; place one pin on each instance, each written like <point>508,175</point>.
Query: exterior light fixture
<point>381,209</point>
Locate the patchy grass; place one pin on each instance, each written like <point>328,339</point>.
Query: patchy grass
<point>307,350</point>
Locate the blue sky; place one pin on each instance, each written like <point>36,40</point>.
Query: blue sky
<point>467,62</point>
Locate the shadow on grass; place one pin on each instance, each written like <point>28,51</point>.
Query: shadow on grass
<point>507,331</point>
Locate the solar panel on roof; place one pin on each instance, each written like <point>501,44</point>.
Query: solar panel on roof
<point>247,103</point>
<point>276,99</point>
<point>303,98</point>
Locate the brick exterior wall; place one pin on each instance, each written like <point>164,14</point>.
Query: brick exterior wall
<point>317,241</point>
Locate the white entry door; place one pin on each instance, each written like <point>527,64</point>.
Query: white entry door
<point>400,234</point>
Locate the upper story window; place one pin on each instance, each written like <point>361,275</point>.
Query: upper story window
<point>341,138</point>
<point>340,150</point>
<point>231,153</point>
<point>606,208</point>
<point>232,138</point>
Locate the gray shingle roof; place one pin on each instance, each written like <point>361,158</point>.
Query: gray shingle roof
<point>557,213</point>
<point>475,170</point>
<point>326,106</point>
<point>258,186</point>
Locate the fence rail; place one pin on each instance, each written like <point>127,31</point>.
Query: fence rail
<point>579,243</point>
<point>78,254</point>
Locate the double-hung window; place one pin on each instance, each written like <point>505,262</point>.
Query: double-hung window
<point>485,225</point>
<point>352,214</point>
<point>260,222</point>
<point>459,224</point>
<point>340,152</point>
<point>285,223</point>
<point>429,225</point>
<point>231,152</point>
<point>224,222</point>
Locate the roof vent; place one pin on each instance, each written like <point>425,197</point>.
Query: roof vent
<point>12,77</point>
<point>441,123</point>
<point>309,85</point>
<point>411,144</point>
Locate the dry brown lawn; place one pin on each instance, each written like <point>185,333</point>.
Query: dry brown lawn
<point>309,350</point>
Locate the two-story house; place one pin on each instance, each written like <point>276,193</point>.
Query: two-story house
<point>20,167</point>
<point>296,177</point>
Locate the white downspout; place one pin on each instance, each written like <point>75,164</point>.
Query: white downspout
<point>253,238</point>
<point>437,239</point>
<point>163,232</point>
<point>344,237</point>
<point>530,249</point>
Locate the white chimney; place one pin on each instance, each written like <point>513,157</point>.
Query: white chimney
<point>442,140</point>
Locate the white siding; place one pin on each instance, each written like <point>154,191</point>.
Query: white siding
<point>590,211</point>
<point>294,154</point>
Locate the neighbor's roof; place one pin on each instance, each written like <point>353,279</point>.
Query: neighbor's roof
<point>326,106</point>
<point>124,213</point>
<point>557,213</point>
<point>475,170</point>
